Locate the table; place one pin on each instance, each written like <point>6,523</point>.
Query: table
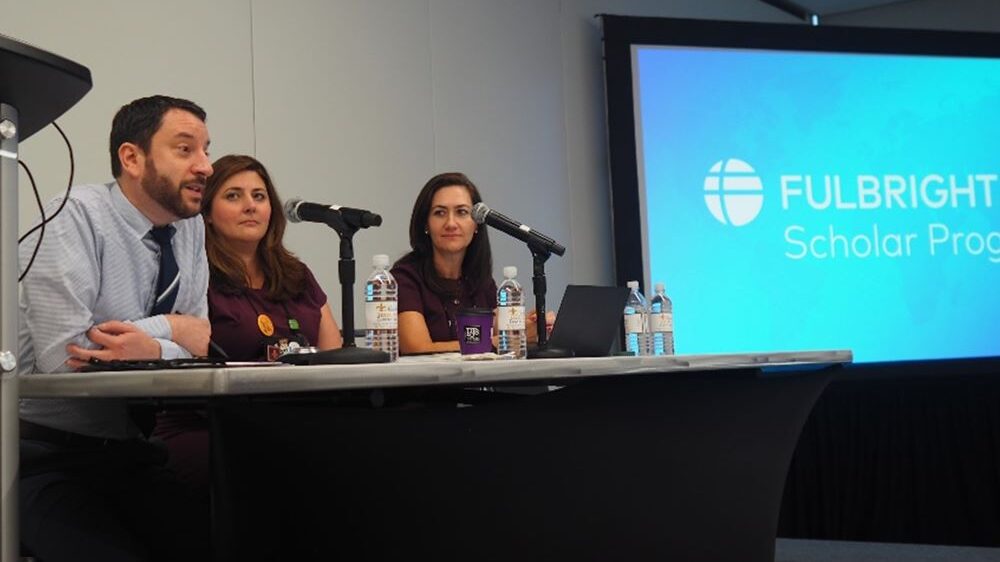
<point>635,458</point>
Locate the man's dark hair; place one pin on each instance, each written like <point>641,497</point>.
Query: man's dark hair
<point>138,121</point>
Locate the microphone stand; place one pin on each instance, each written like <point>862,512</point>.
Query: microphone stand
<point>349,353</point>
<point>539,256</point>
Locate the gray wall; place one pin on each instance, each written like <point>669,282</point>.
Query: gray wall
<point>963,15</point>
<point>358,102</point>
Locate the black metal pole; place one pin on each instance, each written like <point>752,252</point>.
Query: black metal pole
<point>350,353</point>
<point>543,351</point>
<point>540,287</point>
<point>347,273</point>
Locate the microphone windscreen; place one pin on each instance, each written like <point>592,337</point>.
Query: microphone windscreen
<point>479,212</point>
<point>291,212</point>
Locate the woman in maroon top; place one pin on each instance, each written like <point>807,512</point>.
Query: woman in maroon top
<point>450,266</point>
<point>261,298</point>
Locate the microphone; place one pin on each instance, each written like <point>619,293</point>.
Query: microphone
<point>481,213</point>
<point>298,210</point>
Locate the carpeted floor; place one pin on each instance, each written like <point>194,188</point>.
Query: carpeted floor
<point>798,550</point>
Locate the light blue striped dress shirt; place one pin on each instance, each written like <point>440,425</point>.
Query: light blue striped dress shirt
<point>98,262</point>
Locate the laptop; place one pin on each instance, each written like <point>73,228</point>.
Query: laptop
<point>589,320</point>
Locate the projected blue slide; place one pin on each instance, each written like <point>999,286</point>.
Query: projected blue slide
<point>805,201</point>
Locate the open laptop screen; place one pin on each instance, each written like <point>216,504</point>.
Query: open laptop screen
<point>588,320</point>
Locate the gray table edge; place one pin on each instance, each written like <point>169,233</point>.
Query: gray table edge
<point>227,381</point>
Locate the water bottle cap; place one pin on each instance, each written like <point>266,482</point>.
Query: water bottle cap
<point>632,284</point>
<point>380,260</point>
<point>510,272</point>
<point>659,287</point>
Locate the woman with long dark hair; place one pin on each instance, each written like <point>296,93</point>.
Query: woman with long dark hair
<point>449,267</point>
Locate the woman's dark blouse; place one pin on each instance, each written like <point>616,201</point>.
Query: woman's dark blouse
<point>439,311</point>
<point>234,318</point>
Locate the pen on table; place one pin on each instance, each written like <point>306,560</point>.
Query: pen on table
<point>214,347</point>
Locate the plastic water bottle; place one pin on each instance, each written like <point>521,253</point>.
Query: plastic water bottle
<point>510,316</point>
<point>661,322</point>
<point>381,320</point>
<point>636,322</point>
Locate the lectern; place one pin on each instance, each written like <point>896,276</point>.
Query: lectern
<point>35,88</point>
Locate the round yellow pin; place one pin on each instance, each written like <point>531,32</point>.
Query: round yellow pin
<point>265,325</point>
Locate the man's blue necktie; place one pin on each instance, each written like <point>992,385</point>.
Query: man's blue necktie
<point>168,282</point>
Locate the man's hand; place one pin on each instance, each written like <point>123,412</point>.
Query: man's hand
<point>117,340</point>
<point>191,333</point>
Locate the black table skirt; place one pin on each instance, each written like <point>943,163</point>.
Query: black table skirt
<point>685,466</point>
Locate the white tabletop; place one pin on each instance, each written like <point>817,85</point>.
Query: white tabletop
<point>448,369</point>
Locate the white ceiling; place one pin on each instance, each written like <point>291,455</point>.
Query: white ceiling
<point>828,7</point>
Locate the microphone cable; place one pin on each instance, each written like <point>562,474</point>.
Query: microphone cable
<point>41,208</point>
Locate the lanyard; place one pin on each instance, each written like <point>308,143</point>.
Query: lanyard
<point>451,303</point>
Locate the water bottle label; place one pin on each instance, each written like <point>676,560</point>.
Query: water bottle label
<point>381,315</point>
<point>633,324</point>
<point>510,318</point>
<point>662,322</point>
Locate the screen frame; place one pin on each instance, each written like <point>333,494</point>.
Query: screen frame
<point>621,33</point>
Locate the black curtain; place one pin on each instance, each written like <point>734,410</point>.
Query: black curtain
<point>901,454</point>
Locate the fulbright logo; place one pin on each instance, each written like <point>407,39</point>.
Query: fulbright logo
<point>734,193</point>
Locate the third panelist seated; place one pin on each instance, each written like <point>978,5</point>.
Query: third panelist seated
<point>448,268</point>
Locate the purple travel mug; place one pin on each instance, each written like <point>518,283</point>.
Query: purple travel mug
<point>475,330</point>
